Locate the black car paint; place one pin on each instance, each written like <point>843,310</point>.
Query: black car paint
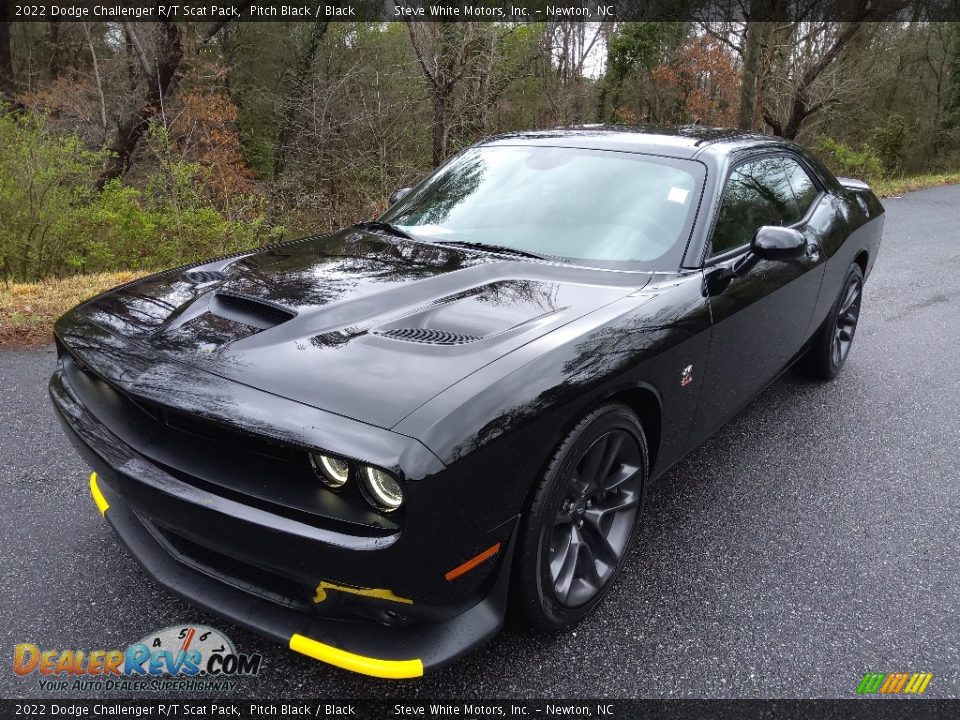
<point>299,358</point>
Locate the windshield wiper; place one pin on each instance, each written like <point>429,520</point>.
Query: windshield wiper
<point>390,228</point>
<point>385,227</point>
<point>495,248</point>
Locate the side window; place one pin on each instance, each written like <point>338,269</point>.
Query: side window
<point>803,187</point>
<point>758,193</point>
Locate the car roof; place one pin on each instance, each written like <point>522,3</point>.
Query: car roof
<point>681,141</point>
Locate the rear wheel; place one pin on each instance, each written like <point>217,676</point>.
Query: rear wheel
<point>831,345</point>
<point>583,516</point>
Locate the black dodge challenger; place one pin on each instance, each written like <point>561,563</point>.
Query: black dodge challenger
<point>361,444</point>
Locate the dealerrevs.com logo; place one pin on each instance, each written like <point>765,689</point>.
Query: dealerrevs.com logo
<point>190,657</point>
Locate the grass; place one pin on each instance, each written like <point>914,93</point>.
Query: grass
<point>898,186</point>
<point>27,310</point>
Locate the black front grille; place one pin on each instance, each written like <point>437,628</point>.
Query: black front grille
<point>429,336</point>
<point>224,435</point>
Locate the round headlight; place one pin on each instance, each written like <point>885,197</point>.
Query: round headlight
<point>381,489</point>
<point>332,471</point>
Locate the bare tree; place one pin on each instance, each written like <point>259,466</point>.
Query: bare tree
<point>96,77</point>
<point>297,84</point>
<point>159,74</point>
<point>800,105</point>
<point>445,52</point>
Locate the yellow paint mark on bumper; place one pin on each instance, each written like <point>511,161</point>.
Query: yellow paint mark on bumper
<point>378,593</point>
<point>389,669</point>
<point>98,498</point>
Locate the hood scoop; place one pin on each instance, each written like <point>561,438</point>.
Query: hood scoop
<point>248,310</point>
<point>494,309</point>
<point>428,336</point>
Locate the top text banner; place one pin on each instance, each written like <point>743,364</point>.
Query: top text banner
<point>220,11</point>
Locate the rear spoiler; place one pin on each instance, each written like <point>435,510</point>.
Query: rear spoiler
<point>853,184</point>
<point>864,195</point>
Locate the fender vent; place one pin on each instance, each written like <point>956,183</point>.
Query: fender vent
<point>428,336</point>
<point>249,311</point>
<point>200,277</point>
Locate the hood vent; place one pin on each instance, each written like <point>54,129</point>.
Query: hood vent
<point>249,310</point>
<point>202,277</point>
<point>428,336</point>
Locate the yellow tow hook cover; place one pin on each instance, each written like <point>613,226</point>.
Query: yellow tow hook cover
<point>98,498</point>
<point>388,669</point>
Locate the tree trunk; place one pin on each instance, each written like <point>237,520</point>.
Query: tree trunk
<point>450,61</point>
<point>748,86</point>
<point>53,39</point>
<point>7,84</point>
<point>440,103</point>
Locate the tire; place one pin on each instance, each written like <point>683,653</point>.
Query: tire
<point>573,539</point>
<point>831,345</point>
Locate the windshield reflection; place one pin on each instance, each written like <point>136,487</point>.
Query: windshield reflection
<point>571,203</point>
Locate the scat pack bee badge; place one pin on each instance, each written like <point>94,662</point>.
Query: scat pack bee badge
<point>179,657</point>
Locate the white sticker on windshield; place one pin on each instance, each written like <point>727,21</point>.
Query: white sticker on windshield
<point>677,195</point>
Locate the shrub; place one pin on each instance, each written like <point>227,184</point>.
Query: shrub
<point>842,159</point>
<point>54,223</point>
<point>889,141</point>
<point>44,178</point>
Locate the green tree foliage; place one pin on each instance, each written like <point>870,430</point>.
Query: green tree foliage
<point>892,93</point>
<point>953,96</point>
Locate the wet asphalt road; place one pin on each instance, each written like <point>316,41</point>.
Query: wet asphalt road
<point>811,540</point>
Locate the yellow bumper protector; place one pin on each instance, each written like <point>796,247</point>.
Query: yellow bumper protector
<point>378,593</point>
<point>389,669</point>
<point>98,498</point>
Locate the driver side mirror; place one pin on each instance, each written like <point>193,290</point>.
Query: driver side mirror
<point>399,195</point>
<point>770,243</point>
<point>778,243</point>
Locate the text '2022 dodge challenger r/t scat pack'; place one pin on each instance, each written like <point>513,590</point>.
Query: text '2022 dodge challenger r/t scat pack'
<point>362,444</point>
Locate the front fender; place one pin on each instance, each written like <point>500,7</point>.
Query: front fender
<point>516,410</point>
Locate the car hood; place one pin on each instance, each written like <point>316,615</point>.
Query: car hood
<point>356,323</point>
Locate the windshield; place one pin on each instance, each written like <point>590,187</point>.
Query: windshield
<point>596,206</point>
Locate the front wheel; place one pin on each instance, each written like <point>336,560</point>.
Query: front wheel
<point>831,345</point>
<point>583,516</point>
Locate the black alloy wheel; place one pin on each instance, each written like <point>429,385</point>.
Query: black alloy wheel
<point>594,523</point>
<point>831,345</point>
<point>585,511</point>
<point>847,316</point>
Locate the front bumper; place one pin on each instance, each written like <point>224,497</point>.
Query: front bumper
<point>261,571</point>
